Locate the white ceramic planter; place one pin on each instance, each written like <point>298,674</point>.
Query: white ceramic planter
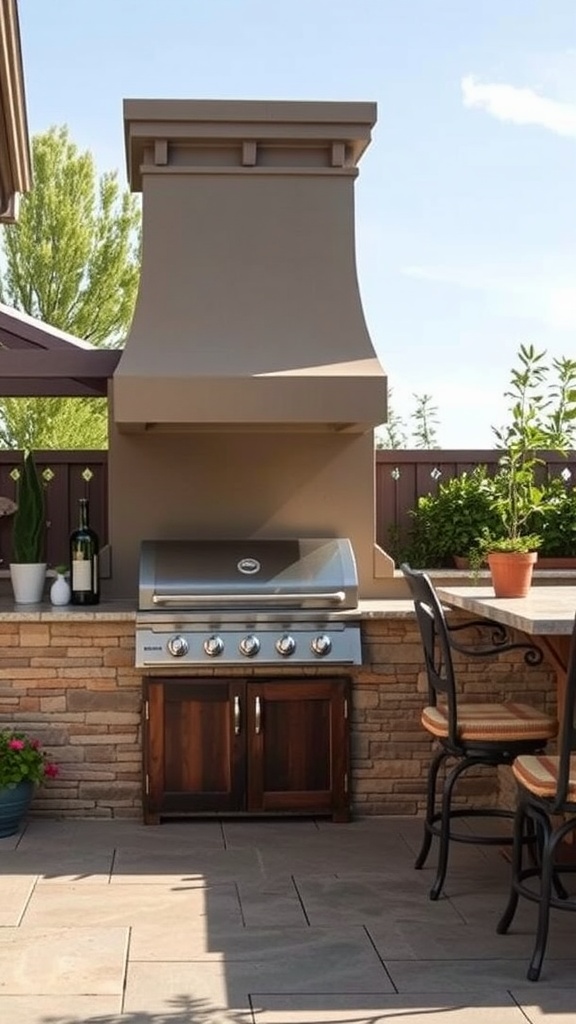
<point>28,580</point>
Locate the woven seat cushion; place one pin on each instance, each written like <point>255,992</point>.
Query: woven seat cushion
<point>539,774</point>
<point>492,722</point>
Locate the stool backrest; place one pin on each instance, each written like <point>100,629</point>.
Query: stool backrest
<point>567,738</point>
<point>435,643</point>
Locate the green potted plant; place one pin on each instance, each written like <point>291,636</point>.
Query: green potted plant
<point>519,499</point>
<point>28,565</point>
<point>23,766</point>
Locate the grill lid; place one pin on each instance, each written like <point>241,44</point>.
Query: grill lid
<point>304,573</point>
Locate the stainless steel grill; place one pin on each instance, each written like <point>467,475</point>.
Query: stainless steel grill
<point>236,602</point>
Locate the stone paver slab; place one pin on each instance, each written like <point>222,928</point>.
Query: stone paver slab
<point>59,865</point>
<point>61,1009</point>
<point>421,938</point>
<point>225,984</point>
<point>180,942</point>
<point>62,961</point>
<point>167,866</point>
<point>15,892</point>
<point>326,851</point>
<point>481,974</point>
<point>125,905</point>
<point>188,991</point>
<point>365,898</point>
<point>271,902</point>
<point>381,1008</point>
<point>547,1006</point>
<point>112,834</point>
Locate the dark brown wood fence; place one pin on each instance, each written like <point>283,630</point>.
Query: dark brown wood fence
<point>67,476</point>
<point>401,477</point>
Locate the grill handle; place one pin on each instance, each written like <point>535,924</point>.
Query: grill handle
<point>237,719</point>
<point>331,597</point>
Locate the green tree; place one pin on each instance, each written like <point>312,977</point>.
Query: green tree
<point>72,261</point>
<point>426,421</point>
<point>53,423</point>
<point>394,433</point>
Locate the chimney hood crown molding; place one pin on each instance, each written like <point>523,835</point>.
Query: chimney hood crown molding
<point>152,127</point>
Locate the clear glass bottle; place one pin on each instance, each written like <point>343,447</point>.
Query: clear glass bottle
<point>84,548</point>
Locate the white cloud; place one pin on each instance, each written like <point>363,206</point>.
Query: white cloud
<point>549,300</point>
<point>459,276</point>
<point>521,106</point>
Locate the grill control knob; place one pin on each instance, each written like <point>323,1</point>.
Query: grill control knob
<point>286,645</point>
<point>213,646</point>
<point>249,646</point>
<point>177,646</point>
<point>321,645</point>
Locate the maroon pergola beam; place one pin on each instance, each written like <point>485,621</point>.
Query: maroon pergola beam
<point>70,372</point>
<point>37,360</point>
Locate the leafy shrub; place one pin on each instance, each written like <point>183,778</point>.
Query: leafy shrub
<point>466,509</point>
<point>556,521</point>
<point>449,522</point>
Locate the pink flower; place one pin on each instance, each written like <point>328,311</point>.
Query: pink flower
<point>35,744</point>
<point>16,744</point>
<point>51,770</point>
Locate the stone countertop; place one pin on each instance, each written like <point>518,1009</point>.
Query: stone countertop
<point>368,608</point>
<point>46,612</point>
<point>125,610</point>
<point>385,608</point>
<point>390,607</point>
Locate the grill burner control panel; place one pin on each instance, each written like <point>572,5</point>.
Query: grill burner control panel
<point>330,642</point>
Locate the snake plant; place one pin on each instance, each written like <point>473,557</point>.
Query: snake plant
<point>29,523</point>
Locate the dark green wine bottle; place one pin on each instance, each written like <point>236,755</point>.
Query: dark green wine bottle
<point>84,549</point>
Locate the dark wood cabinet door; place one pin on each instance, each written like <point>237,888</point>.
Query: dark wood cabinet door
<point>297,737</point>
<point>195,747</point>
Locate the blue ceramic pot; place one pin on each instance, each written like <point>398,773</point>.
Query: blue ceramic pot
<point>14,803</point>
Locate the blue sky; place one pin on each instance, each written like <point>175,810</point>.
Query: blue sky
<point>465,204</point>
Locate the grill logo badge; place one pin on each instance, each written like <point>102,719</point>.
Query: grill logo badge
<point>248,566</point>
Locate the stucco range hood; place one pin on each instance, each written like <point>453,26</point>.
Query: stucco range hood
<point>248,313</point>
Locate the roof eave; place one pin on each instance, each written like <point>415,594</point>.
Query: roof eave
<point>15,160</point>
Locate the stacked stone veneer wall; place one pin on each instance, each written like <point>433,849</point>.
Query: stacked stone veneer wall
<point>73,684</point>
<point>390,749</point>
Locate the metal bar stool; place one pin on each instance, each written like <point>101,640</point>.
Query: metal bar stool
<point>546,805</point>
<point>468,735</point>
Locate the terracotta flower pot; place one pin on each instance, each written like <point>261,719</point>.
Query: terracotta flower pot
<point>511,572</point>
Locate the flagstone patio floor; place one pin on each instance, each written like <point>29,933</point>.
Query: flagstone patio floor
<point>264,922</point>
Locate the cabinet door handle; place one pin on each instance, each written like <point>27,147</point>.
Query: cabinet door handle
<point>257,715</point>
<point>237,717</point>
